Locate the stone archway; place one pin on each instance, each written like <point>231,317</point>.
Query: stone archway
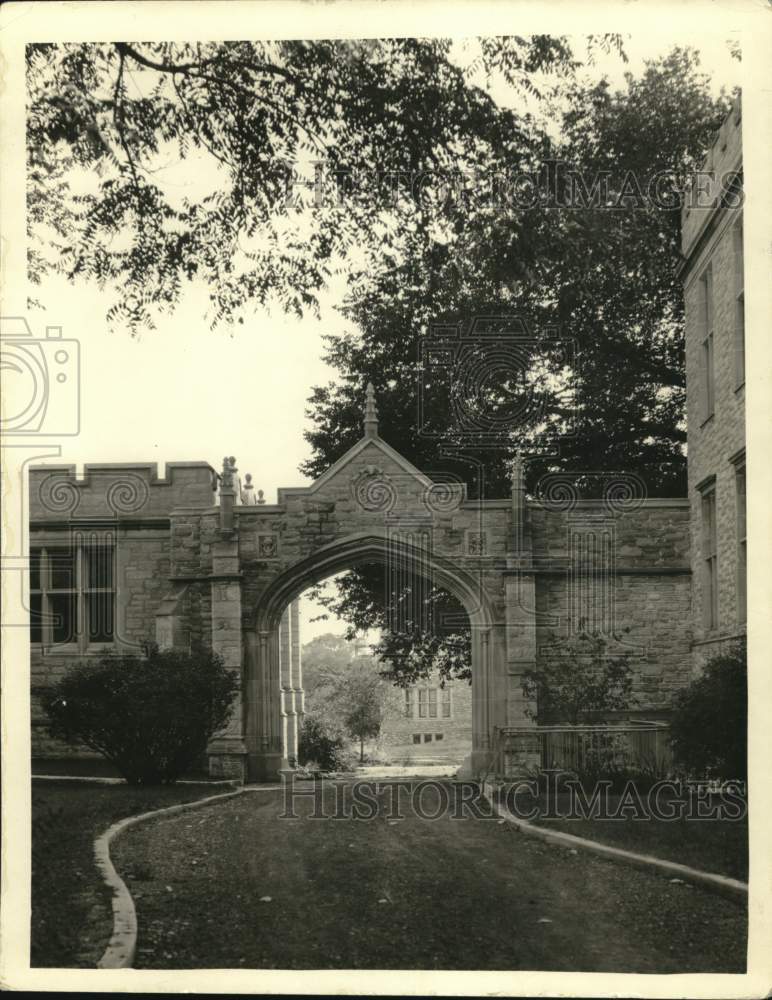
<point>520,567</point>
<point>263,724</point>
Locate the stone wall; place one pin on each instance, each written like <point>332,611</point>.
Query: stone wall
<point>624,573</point>
<point>188,570</point>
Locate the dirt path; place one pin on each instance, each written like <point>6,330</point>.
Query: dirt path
<point>236,886</point>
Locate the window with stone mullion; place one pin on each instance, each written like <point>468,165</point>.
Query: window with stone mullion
<point>72,593</point>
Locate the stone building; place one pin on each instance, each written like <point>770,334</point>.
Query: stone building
<point>712,272</point>
<point>435,724</point>
<point>120,555</point>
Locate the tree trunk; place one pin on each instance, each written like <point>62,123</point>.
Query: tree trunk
<point>362,751</point>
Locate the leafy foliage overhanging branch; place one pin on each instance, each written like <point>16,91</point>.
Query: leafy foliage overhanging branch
<point>114,131</point>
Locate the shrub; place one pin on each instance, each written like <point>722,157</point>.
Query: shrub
<point>708,728</point>
<point>151,715</point>
<point>321,746</point>
<point>578,675</point>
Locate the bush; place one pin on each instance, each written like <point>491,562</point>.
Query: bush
<point>151,715</point>
<point>709,726</point>
<point>578,675</point>
<point>322,747</point>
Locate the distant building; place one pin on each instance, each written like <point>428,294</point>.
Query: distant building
<point>436,723</point>
<point>712,246</point>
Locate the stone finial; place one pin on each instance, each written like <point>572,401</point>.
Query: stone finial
<point>229,490</point>
<point>371,413</point>
<point>228,471</point>
<point>248,491</point>
<point>519,509</point>
<point>260,498</point>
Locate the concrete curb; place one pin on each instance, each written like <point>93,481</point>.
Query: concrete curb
<point>122,946</point>
<point>731,887</point>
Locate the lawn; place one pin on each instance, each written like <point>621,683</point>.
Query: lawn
<point>71,908</point>
<point>713,845</point>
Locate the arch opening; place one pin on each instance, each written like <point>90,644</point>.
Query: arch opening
<point>270,739</point>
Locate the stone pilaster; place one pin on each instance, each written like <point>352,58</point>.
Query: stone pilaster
<point>287,694</point>
<point>297,672</point>
<point>265,746</point>
<point>227,750</point>
<point>520,640</point>
<point>169,630</point>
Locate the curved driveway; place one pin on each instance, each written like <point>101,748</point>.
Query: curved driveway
<point>236,886</point>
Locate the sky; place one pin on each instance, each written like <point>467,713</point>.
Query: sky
<point>183,392</point>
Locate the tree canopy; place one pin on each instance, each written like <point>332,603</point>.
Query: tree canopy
<point>576,281</point>
<point>437,638</point>
<point>252,124</point>
<point>345,690</point>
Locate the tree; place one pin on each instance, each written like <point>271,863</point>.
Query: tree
<point>599,267</point>
<point>575,676</point>
<point>151,715</point>
<point>252,114</point>
<point>709,726</point>
<point>604,278</point>
<point>439,640</point>
<point>363,707</point>
<point>345,690</point>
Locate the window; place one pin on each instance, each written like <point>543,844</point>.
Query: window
<point>706,318</point>
<point>427,703</point>
<point>72,593</point>
<point>438,737</point>
<point>739,294</point>
<point>427,737</point>
<point>446,703</point>
<point>709,558</point>
<point>416,737</point>
<point>742,566</point>
<point>408,703</point>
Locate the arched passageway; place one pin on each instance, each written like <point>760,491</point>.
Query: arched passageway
<point>265,723</point>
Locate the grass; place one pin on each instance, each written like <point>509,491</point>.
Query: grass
<point>71,907</point>
<point>713,845</point>
<point>90,767</point>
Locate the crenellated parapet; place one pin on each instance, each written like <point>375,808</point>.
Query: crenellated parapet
<point>118,491</point>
